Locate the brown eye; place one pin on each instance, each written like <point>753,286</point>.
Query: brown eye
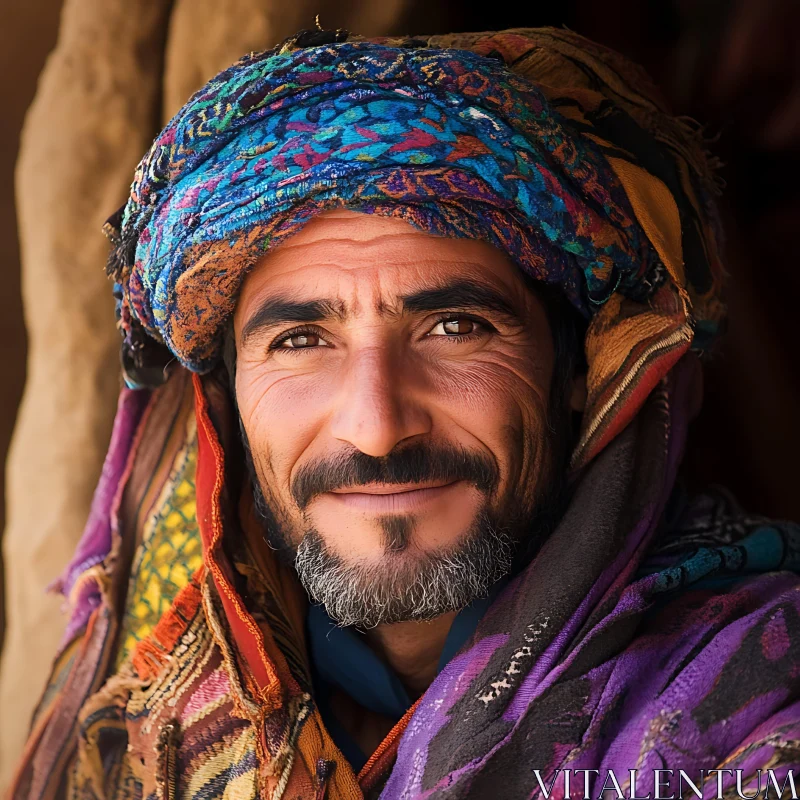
<point>301,340</point>
<point>454,327</point>
<point>458,326</point>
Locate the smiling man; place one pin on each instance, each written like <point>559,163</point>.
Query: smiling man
<point>394,389</point>
<point>410,335</point>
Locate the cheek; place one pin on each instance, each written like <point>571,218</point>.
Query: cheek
<point>281,415</point>
<point>502,402</point>
<point>494,389</point>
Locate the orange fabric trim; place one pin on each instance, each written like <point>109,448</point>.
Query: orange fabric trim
<point>210,478</point>
<point>150,654</point>
<point>282,585</point>
<point>387,751</point>
<point>250,638</point>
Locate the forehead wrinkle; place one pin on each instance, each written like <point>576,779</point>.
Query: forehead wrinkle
<point>298,244</point>
<point>388,308</point>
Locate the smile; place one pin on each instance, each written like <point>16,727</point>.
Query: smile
<point>387,499</point>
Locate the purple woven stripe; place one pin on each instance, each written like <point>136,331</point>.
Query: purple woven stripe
<point>95,542</point>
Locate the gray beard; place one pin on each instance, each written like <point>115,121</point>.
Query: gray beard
<point>406,584</point>
<point>404,587</point>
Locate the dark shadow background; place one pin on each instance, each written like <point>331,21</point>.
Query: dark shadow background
<point>733,65</point>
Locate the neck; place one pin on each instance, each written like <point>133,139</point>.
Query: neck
<point>412,649</point>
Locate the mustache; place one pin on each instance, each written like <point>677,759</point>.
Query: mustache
<point>417,463</point>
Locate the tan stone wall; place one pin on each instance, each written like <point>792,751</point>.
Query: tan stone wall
<point>26,38</point>
<point>27,34</point>
<point>95,111</point>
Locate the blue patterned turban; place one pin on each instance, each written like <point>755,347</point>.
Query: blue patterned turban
<point>564,161</point>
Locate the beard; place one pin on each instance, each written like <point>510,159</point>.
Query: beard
<point>398,590</point>
<point>405,582</point>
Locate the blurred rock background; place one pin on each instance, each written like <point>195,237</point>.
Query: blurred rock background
<point>36,24</point>
<point>117,69</point>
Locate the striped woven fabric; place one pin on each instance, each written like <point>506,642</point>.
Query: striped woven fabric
<point>216,700</point>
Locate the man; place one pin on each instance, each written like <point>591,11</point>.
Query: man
<point>403,521</point>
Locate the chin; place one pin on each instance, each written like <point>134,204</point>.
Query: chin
<point>395,584</point>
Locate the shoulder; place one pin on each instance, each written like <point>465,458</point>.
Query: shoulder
<point>710,537</point>
<point>725,592</point>
<point>716,657</point>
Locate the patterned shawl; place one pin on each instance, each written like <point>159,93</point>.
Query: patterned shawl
<point>551,148</point>
<point>649,632</point>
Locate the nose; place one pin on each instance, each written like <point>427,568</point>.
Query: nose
<point>376,406</point>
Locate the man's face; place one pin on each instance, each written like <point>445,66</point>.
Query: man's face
<point>393,388</point>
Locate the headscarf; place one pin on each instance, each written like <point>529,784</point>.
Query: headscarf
<point>549,147</point>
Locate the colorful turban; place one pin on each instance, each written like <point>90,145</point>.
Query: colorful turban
<point>551,148</point>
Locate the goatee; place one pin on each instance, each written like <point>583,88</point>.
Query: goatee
<point>404,583</point>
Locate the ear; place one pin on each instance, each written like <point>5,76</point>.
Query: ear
<point>577,392</point>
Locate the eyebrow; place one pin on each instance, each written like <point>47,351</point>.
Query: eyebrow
<point>280,310</point>
<point>460,295</point>
<point>455,296</point>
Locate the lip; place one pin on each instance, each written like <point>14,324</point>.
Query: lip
<point>387,499</point>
